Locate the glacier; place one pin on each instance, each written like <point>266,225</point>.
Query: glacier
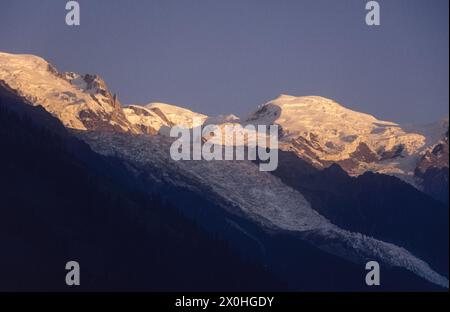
<point>259,196</point>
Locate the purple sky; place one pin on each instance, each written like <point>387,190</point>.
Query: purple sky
<point>228,56</point>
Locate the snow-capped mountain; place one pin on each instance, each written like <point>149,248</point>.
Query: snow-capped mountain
<point>81,102</point>
<point>156,117</point>
<point>318,130</point>
<point>323,132</point>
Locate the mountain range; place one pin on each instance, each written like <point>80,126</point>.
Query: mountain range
<point>349,188</point>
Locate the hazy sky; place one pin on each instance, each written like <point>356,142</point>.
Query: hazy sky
<point>228,56</point>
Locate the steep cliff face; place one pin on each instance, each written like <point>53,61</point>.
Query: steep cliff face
<point>436,156</point>
<point>433,170</point>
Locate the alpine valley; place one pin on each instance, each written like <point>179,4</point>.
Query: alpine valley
<point>85,177</point>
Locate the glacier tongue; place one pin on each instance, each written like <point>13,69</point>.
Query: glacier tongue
<point>258,196</point>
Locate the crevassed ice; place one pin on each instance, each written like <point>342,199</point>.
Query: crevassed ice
<point>260,196</point>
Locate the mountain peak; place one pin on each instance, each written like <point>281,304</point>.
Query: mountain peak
<point>23,60</point>
<point>304,98</point>
<point>81,102</point>
<point>158,117</point>
<point>305,102</point>
<point>323,131</point>
<point>176,115</point>
<point>170,108</point>
<point>284,97</point>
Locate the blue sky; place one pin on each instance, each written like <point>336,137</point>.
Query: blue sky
<point>228,56</point>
